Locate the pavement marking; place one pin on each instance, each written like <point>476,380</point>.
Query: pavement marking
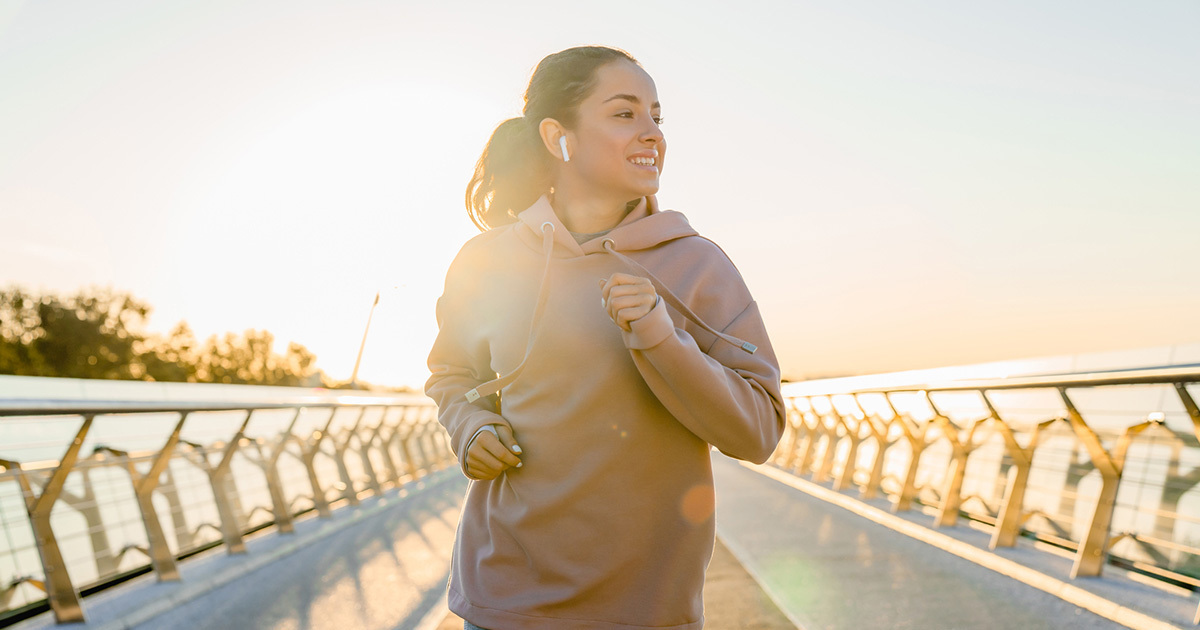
<point>1067,592</point>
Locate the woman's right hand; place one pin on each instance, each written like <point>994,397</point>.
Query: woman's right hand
<point>491,454</point>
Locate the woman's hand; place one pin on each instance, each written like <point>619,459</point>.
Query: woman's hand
<point>627,297</point>
<point>492,453</point>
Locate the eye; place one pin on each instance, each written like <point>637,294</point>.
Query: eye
<point>658,120</point>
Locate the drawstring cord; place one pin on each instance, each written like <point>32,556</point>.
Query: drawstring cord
<point>495,385</point>
<point>666,294</point>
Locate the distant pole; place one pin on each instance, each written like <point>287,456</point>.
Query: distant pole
<point>354,375</point>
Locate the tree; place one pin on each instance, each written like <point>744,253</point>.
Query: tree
<point>98,334</point>
<point>249,359</point>
<point>88,335</point>
<point>172,359</point>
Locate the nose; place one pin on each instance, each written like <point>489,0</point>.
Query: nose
<point>652,134</point>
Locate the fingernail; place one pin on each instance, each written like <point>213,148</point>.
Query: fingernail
<point>520,464</point>
<point>603,304</point>
<point>516,449</point>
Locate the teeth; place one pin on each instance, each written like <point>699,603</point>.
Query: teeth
<point>642,161</point>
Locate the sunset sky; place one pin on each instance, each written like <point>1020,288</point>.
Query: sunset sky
<point>902,185</point>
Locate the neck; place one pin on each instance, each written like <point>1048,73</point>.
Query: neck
<point>586,214</point>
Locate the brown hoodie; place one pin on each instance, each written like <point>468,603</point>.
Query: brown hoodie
<point>609,522</point>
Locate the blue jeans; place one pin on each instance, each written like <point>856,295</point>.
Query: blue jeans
<point>467,625</point>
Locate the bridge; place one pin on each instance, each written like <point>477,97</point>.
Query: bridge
<point>1043,501</point>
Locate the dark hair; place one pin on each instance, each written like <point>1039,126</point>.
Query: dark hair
<point>514,169</point>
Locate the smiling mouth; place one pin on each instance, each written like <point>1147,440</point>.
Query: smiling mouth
<point>642,161</point>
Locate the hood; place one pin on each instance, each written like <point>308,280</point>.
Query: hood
<point>643,228</point>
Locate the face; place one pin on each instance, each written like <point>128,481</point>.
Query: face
<point>617,147</point>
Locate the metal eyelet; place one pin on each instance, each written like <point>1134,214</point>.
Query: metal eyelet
<point>544,224</point>
<point>608,240</point>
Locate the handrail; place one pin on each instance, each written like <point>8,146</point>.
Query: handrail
<point>1140,376</point>
<point>385,441</point>
<point>37,407</point>
<point>819,441</point>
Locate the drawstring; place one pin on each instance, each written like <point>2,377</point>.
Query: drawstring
<point>674,301</point>
<point>495,385</point>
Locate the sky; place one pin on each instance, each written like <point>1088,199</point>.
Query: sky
<point>902,185</point>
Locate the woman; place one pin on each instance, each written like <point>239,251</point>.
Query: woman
<point>625,344</point>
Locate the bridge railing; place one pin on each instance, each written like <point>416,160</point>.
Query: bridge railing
<point>1104,465</point>
<point>139,486</point>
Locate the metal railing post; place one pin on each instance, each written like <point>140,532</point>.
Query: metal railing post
<point>170,492</point>
<point>428,450</point>
<point>395,446</point>
<point>405,432</point>
<point>308,454</point>
<point>916,441</point>
<point>830,435</point>
<point>223,488</point>
<point>1009,519</point>
<point>87,507</point>
<point>947,513</point>
<point>961,449</point>
<point>60,591</point>
<point>1089,560</point>
<point>878,431</point>
<point>846,478</point>
<point>915,435</point>
<point>808,441</point>
<point>162,560</point>
<point>384,444</point>
<point>1177,485</point>
<point>787,450</point>
<point>1193,412</point>
<point>339,448</point>
<point>421,439</point>
<point>269,462</point>
<point>161,557</point>
<point>365,453</point>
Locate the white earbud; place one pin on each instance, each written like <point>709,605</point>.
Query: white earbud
<point>562,144</point>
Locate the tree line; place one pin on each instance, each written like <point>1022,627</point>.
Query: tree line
<point>100,334</point>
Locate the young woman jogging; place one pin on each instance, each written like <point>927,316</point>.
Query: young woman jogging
<point>591,349</point>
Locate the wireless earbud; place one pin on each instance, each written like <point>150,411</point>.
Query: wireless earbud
<point>562,144</point>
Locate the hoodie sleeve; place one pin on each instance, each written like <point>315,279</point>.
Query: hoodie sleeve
<point>726,396</point>
<point>457,363</point>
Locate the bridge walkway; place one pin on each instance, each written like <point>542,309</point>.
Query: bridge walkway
<point>832,560</point>
<point>789,557</point>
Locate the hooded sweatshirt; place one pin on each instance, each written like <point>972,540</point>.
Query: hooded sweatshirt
<point>608,524</point>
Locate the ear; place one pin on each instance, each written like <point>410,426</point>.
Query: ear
<point>551,130</point>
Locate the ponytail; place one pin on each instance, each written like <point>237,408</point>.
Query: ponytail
<point>510,175</point>
<point>515,167</point>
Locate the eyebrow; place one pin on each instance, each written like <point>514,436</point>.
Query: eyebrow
<point>631,98</point>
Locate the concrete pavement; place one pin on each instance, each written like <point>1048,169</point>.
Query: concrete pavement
<point>830,568</point>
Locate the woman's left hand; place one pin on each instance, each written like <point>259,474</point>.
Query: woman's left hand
<point>627,298</point>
